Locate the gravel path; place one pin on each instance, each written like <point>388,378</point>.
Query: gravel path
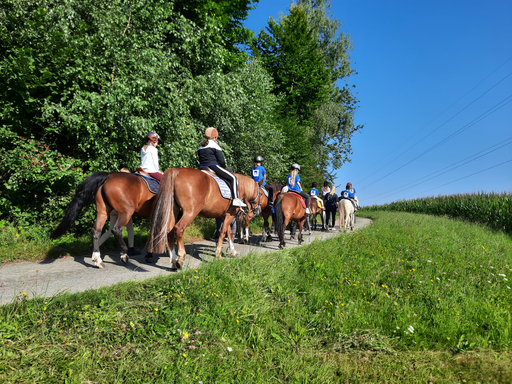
<point>77,273</point>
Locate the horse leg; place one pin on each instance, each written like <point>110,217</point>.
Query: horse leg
<point>300,237</point>
<point>122,219</point>
<point>246,235</point>
<point>285,224</point>
<point>101,218</point>
<point>172,250</point>
<point>226,229</point>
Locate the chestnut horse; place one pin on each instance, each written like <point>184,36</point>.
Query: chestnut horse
<point>197,194</point>
<point>126,193</point>
<point>288,207</point>
<point>260,205</point>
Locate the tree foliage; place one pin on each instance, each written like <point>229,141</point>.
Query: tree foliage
<point>83,81</point>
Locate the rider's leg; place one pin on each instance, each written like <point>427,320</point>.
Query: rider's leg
<point>306,198</point>
<point>232,182</point>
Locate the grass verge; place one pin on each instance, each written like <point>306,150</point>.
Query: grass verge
<point>411,298</point>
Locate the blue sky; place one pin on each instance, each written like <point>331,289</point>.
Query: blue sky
<point>434,82</point>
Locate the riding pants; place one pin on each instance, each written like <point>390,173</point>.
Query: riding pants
<point>304,195</point>
<point>228,177</point>
<point>270,194</point>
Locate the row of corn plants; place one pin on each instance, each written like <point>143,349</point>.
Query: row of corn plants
<point>491,209</point>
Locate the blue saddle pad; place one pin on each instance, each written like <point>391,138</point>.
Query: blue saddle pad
<point>151,182</point>
<point>223,187</point>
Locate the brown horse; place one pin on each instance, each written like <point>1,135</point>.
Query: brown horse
<point>197,194</point>
<point>260,205</point>
<point>126,193</point>
<point>316,210</point>
<point>289,207</point>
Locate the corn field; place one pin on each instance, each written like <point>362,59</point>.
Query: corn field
<point>491,209</point>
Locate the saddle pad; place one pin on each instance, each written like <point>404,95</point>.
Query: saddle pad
<point>151,182</point>
<point>223,186</point>
<point>300,198</point>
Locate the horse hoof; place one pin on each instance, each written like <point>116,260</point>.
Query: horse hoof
<point>282,245</point>
<point>292,237</point>
<point>218,257</point>
<point>125,258</point>
<point>149,258</point>
<point>100,265</point>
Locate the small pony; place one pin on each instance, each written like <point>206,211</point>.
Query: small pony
<point>347,214</point>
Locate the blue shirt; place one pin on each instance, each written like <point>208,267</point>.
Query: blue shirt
<point>313,192</point>
<point>295,187</point>
<point>347,195</point>
<point>259,173</point>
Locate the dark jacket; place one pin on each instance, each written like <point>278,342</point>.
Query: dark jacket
<point>331,201</point>
<point>211,155</point>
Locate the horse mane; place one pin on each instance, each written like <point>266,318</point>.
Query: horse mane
<point>246,184</point>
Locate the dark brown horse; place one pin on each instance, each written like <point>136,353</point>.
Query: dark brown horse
<point>197,194</point>
<point>289,207</point>
<point>316,210</point>
<point>126,193</point>
<point>260,205</point>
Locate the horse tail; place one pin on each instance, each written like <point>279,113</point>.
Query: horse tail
<point>343,214</point>
<point>162,211</point>
<point>278,206</point>
<point>84,196</point>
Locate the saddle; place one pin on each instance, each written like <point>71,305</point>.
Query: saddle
<point>301,199</point>
<point>151,182</point>
<point>142,172</point>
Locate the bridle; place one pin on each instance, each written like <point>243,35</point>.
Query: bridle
<point>256,199</point>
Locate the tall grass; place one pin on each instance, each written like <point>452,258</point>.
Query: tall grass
<point>408,291</point>
<point>491,209</point>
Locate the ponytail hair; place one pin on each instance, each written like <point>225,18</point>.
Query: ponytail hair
<point>204,143</point>
<point>292,178</point>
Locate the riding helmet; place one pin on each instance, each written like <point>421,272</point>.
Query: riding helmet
<point>295,166</point>
<point>153,136</point>
<point>314,184</point>
<point>326,183</point>
<point>211,133</point>
<point>258,159</point>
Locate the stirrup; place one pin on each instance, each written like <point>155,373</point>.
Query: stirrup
<point>308,212</point>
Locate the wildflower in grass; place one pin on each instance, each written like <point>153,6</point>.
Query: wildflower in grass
<point>185,335</point>
<point>410,329</point>
<point>24,293</point>
<point>156,309</point>
<point>184,355</point>
<point>230,349</point>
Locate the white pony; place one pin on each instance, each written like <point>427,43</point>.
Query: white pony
<point>347,214</point>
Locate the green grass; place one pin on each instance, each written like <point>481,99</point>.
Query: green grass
<point>412,298</point>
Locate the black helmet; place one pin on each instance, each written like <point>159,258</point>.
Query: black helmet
<point>295,166</point>
<point>326,183</point>
<point>314,184</point>
<point>258,159</point>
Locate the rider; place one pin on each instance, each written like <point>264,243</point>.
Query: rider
<point>210,155</point>
<point>331,206</point>
<point>149,156</point>
<point>313,192</point>
<point>293,183</point>
<point>325,189</point>
<point>258,173</point>
<point>356,200</point>
<point>348,194</point>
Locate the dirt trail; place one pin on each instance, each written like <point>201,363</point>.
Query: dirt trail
<point>77,273</point>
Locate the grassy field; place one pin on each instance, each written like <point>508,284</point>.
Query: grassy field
<point>412,298</point>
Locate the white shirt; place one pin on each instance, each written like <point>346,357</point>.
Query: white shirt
<point>149,159</point>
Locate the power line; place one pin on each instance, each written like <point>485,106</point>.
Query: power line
<point>467,106</point>
<point>451,136</point>
<point>465,177</point>
<point>452,166</point>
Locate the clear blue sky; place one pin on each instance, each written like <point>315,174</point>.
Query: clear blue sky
<point>434,81</point>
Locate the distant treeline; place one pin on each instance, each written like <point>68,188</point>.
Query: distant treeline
<point>491,209</point>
